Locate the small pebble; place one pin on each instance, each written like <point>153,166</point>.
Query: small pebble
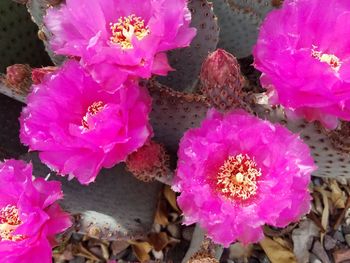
<point>319,251</point>
<point>347,239</point>
<point>314,259</point>
<point>346,229</point>
<point>158,255</point>
<point>329,242</point>
<point>339,236</point>
<point>96,251</point>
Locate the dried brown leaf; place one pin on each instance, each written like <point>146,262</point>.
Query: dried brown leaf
<point>325,212</point>
<point>317,204</point>
<point>158,240</point>
<point>105,252</point>
<point>141,250</point>
<point>161,216</point>
<point>170,196</point>
<point>119,246</point>
<point>237,251</point>
<point>337,195</point>
<point>81,251</point>
<point>277,253</point>
<point>283,242</point>
<point>302,239</point>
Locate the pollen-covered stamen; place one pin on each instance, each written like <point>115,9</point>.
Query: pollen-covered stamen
<point>126,28</point>
<point>9,221</point>
<point>93,109</point>
<point>237,177</point>
<point>332,60</point>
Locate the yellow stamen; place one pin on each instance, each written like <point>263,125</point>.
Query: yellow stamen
<point>93,109</point>
<point>332,60</point>
<point>126,28</point>
<point>237,177</point>
<point>9,221</point>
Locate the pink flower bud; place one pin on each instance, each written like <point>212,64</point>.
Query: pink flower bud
<point>148,162</point>
<point>17,73</point>
<point>18,77</point>
<point>221,80</point>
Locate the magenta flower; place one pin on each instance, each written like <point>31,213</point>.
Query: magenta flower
<point>237,173</point>
<point>305,59</point>
<point>117,38</point>
<point>78,128</point>
<point>29,215</point>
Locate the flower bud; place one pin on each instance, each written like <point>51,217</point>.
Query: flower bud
<point>221,80</point>
<point>149,162</point>
<point>18,77</point>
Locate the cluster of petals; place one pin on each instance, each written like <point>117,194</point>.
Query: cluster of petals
<point>305,60</point>
<point>78,128</point>
<point>119,38</point>
<point>282,165</point>
<point>29,215</point>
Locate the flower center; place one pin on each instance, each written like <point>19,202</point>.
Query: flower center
<point>332,60</point>
<point>237,177</point>
<point>126,28</point>
<point>93,109</point>
<point>9,221</point>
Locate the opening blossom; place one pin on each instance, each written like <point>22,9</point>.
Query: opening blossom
<point>237,173</point>
<point>117,38</point>
<point>29,215</point>
<point>78,128</point>
<point>304,54</point>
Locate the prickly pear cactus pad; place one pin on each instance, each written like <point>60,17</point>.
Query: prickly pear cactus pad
<point>331,159</point>
<point>239,22</point>
<point>37,10</point>
<point>18,37</point>
<point>187,61</point>
<point>174,112</point>
<point>116,207</point>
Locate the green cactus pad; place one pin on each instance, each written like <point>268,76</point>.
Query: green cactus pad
<point>238,28</point>
<point>173,113</point>
<point>331,162</point>
<point>259,7</point>
<point>37,10</point>
<point>187,61</point>
<point>116,207</point>
<point>19,42</point>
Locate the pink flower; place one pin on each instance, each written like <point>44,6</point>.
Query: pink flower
<point>117,38</point>
<point>305,59</point>
<point>237,173</point>
<point>29,215</point>
<point>79,128</point>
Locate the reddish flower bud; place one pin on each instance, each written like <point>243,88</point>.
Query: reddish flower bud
<point>38,74</point>
<point>17,73</point>
<point>221,80</point>
<point>18,77</point>
<point>149,162</point>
